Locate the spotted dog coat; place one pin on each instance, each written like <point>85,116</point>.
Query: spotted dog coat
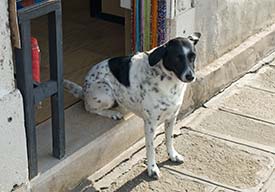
<point>151,85</point>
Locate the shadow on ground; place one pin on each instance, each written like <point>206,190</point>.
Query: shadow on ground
<point>143,177</point>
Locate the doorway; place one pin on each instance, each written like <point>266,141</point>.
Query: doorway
<point>86,41</point>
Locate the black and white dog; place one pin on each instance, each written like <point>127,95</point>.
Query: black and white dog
<point>150,84</point>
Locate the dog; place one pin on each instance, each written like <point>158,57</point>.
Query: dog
<point>150,84</point>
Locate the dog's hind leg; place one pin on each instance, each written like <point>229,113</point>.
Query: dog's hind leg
<point>173,154</point>
<point>115,115</point>
<point>98,99</point>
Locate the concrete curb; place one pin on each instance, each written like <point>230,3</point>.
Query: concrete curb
<point>89,158</point>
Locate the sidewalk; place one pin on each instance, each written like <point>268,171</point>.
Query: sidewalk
<point>228,144</point>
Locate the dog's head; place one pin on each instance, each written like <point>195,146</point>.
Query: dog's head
<point>178,56</point>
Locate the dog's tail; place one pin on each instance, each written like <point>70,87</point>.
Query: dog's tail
<point>73,88</point>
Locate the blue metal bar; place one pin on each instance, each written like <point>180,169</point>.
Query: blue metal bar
<point>56,74</point>
<point>54,88</point>
<point>25,85</point>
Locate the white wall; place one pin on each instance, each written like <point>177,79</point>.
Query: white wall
<point>224,24</point>
<point>227,23</point>
<point>13,153</point>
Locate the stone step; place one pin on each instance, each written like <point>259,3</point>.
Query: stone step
<point>91,142</point>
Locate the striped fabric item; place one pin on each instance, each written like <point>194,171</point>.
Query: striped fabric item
<point>148,24</point>
<point>138,19</point>
<point>154,24</point>
<point>133,26</point>
<point>161,21</point>
<point>141,24</point>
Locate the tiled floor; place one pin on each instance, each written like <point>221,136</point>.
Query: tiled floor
<point>86,41</point>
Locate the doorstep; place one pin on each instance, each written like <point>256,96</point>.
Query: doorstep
<point>91,142</point>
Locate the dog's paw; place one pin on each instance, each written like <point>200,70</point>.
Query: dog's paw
<point>176,157</point>
<point>117,116</point>
<point>154,172</point>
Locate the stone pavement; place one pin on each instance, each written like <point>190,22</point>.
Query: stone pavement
<point>228,144</point>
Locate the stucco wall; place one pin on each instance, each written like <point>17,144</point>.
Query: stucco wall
<point>6,64</point>
<point>13,160</point>
<point>13,153</point>
<point>227,23</point>
<point>236,34</point>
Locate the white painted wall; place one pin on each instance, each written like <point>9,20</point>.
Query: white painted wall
<point>6,64</point>
<point>224,24</point>
<point>13,153</point>
<point>182,24</point>
<point>227,23</point>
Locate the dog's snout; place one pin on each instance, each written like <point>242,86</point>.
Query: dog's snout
<point>189,76</point>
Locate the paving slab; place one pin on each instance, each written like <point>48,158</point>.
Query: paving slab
<point>233,127</point>
<point>135,154</point>
<point>223,163</point>
<point>264,79</point>
<point>137,180</point>
<point>131,175</point>
<point>209,163</point>
<point>246,101</point>
<point>222,190</point>
<point>270,185</point>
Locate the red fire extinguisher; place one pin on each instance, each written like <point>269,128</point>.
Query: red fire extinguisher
<point>35,60</point>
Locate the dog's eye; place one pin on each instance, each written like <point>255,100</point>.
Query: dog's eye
<point>192,57</point>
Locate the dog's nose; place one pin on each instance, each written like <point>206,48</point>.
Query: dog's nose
<point>189,76</point>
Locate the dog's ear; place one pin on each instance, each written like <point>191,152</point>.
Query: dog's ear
<point>157,55</point>
<point>195,37</point>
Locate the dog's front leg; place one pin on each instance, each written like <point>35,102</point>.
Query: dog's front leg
<point>172,153</point>
<point>153,170</point>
